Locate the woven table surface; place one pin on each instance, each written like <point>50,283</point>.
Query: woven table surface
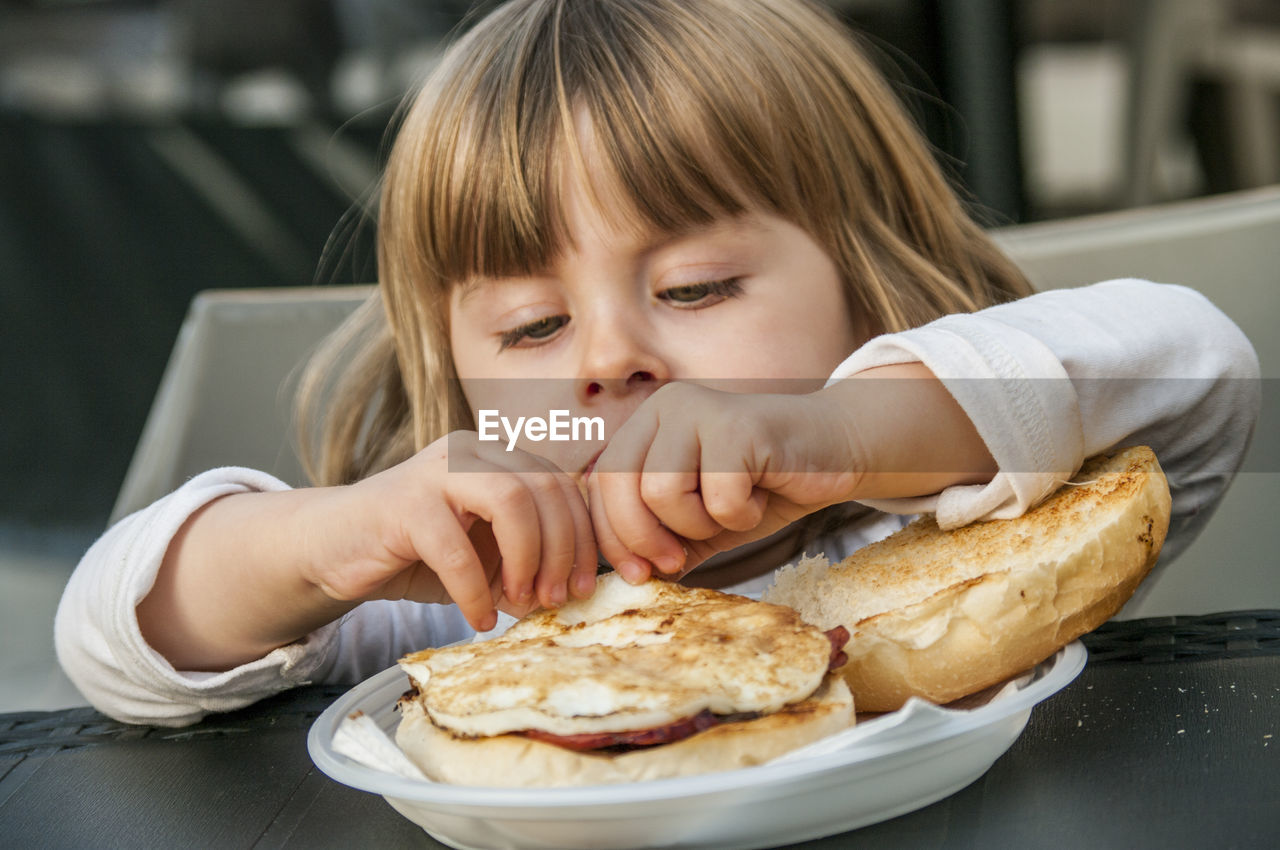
<point>1232,634</point>
<point>1168,738</point>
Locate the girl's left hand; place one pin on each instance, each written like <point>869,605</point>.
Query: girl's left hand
<point>695,471</point>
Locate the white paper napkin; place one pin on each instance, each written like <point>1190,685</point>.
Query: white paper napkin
<point>360,739</point>
<point>913,719</point>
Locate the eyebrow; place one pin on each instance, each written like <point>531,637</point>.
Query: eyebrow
<point>660,241</point>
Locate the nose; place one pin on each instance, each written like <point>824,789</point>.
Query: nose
<point>620,359</point>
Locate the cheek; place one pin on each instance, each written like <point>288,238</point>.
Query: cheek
<point>821,327</point>
<point>839,336</point>
<point>475,355</point>
<point>802,337</point>
<point>481,394</point>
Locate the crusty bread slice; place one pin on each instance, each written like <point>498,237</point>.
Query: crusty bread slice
<point>941,614</point>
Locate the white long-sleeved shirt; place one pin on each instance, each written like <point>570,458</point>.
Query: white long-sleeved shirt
<point>1047,380</point>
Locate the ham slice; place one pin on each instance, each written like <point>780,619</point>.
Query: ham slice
<point>630,740</point>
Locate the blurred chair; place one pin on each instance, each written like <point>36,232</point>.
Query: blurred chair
<point>1176,44</point>
<point>226,395</point>
<point>1227,247</point>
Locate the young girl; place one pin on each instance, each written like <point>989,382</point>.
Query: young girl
<point>707,224</point>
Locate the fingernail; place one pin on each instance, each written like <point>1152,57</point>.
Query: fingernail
<point>668,564</point>
<point>556,596</point>
<point>633,572</point>
<point>489,621</point>
<point>583,585</point>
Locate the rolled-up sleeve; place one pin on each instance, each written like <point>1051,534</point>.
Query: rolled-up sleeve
<point>101,647</point>
<point>1057,377</point>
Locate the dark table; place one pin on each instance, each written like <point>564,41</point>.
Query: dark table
<point>1169,738</point>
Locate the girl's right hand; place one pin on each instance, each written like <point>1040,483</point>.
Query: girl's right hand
<point>464,522</point>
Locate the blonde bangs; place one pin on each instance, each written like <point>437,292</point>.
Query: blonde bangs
<point>676,138</point>
<point>467,197</point>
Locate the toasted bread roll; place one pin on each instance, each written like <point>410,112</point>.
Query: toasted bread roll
<point>942,614</point>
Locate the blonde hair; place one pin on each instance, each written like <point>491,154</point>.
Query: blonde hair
<point>700,109</point>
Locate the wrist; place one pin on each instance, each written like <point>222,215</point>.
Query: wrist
<point>230,588</point>
<point>286,534</point>
<point>329,529</point>
<point>907,434</point>
<point>272,561</point>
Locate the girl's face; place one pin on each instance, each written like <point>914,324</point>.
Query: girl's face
<point>750,303</point>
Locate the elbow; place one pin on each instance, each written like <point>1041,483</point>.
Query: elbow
<point>1223,345</point>
<point>104,683</point>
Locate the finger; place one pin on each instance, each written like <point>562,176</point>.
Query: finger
<point>728,482</point>
<point>636,527</point>
<point>504,500</point>
<point>486,547</point>
<point>474,467</point>
<point>506,606</point>
<point>582,580</point>
<point>669,485</point>
<point>569,548</point>
<point>501,601</point>
<point>779,514</point>
<point>558,530</point>
<point>632,567</point>
<point>445,548</point>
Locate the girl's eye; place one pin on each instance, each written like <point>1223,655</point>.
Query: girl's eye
<point>537,330</point>
<point>703,294</point>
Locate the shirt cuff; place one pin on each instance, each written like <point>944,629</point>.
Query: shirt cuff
<point>1017,394</point>
<point>191,694</point>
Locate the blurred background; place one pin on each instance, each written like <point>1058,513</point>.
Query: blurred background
<point>151,150</point>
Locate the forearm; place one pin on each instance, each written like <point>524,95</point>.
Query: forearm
<point>1052,378</point>
<point>908,434</point>
<point>233,586</point>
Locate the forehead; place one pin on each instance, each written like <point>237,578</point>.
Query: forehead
<point>598,205</point>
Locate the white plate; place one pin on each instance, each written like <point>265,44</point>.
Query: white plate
<point>900,762</point>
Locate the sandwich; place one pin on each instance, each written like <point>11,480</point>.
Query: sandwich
<point>638,682</point>
<point>943,614</point>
